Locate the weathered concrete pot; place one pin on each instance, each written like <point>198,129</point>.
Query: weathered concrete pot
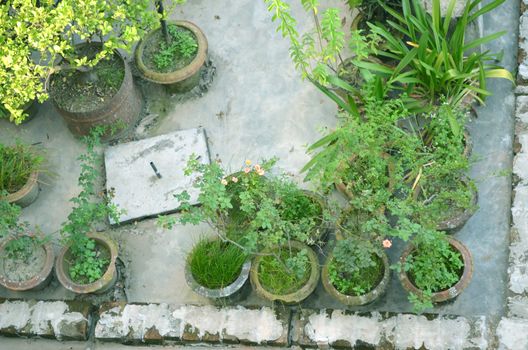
<point>27,194</point>
<point>101,285</point>
<point>450,293</point>
<point>227,292</point>
<point>295,297</point>
<point>37,282</point>
<point>181,80</point>
<point>352,300</point>
<point>121,111</point>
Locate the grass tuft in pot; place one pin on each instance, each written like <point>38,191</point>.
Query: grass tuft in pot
<point>216,264</point>
<point>17,163</point>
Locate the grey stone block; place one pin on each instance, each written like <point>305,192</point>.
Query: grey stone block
<point>50,319</point>
<point>511,334</point>
<point>158,322</point>
<point>135,186</point>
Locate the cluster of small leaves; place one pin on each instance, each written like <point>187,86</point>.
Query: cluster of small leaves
<point>183,44</point>
<point>89,208</point>
<point>284,272</point>
<point>355,267</point>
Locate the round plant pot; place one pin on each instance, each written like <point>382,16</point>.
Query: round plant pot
<point>352,300</point>
<point>456,222</point>
<point>447,294</point>
<point>27,194</point>
<point>121,111</point>
<point>291,298</point>
<point>181,80</point>
<point>38,281</point>
<point>226,292</point>
<point>101,285</point>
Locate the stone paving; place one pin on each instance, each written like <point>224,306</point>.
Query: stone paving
<point>174,325</point>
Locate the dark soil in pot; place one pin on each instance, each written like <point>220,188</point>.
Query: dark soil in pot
<point>85,91</point>
<point>157,53</point>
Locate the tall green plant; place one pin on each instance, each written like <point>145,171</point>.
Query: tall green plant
<point>432,56</point>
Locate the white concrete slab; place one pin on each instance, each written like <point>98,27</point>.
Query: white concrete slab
<point>136,187</point>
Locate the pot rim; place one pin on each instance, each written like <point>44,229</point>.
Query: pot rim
<point>27,188</point>
<point>353,300</point>
<point>182,73</point>
<point>36,280</point>
<point>454,290</point>
<point>108,276</point>
<point>294,297</point>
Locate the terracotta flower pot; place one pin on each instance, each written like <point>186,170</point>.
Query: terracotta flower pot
<point>294,297</point>
<point>101,285</point>
<point>122,110</point>
<point>39,281</point>
<point>447,294</point>
<point>183,79</point>
<point>352,300</point>
<point>27,194</point>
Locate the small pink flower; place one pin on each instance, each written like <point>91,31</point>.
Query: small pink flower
<point>260,172</point>
<point>247,170</point>
<point>224,182</point>
<point>234,179</point>
<point>257,168</point>
<point>387,243</point>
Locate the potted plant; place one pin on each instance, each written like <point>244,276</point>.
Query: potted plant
<point>26,259</point>
<point>22,73</point>
<point>93,85</point>
<point>19,170</point>
<point>86,263</point>
<point>356,271</point>
<point>216,269</point>
<point>172,54</point>
<point>434,268</point>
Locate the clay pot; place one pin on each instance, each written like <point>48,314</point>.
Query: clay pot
<point>37,282</point>
<point>27,194</point>
<point>121,111</point>
<point>297,296</point>
<point>226,292</point>
<point>101,285</point>
<point>352,300</point>
<point>447,294</point>
<point>181,80</point>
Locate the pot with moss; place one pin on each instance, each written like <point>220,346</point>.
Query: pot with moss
<point>287,273</point>
<point>448,202</point>
<point>103,95</point>
<point>26,259</point>
<point>19,171</point>
<point>88,266</point>
<point>175,59</point>
<point>434,268</point>
<point>356,272</point>
<point>217,269</point>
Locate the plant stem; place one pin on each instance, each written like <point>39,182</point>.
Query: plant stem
<point>163,21</point>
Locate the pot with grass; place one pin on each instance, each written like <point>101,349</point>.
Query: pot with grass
<point>356,272</point>
<point>86,262</point>
<point>19,171</point>
<point>288,273</point>
<point>173,58</point>
<point>26,259</point>
<point>434,268</point>
<point>217,269</point>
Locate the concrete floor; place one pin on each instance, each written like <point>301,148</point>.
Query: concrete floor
<point>258,107</point>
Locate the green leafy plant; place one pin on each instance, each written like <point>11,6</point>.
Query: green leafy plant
<point>22,244</point>
<point>432,266</point>
<point>356,267</point>
<point>17,163</point>
<point>183,45</point>
<point>88,261</point>
<point>215,264</point>
<point>285,272</point>
<point>432,55</point>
